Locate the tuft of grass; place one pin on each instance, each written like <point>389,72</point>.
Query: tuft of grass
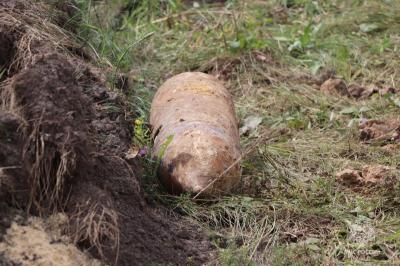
<point>93,223</point>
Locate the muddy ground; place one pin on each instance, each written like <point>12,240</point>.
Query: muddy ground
<point>63,137</point>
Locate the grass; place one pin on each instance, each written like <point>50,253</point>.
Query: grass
<point>289,209</point>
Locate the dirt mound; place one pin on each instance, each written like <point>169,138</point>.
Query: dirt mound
<point>370,175</point>
<point>331,85</point>
<point>61,150</point>
<point>34,243</point>
<point>385,132</point>
<point>335,87</point>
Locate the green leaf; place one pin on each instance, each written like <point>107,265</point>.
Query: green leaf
<point>315,67</point>
<point>295,123</point>
<point>312,240</point>
<point>364,109</point>
<point>368,27</point>
<point>295,46</point>
<point>234,44</point>
<point>396,101</point>
<point>164,146</point>
<point>282,39</point>
<point>349,111</point>
<point>2,71</point>
<point>161,153</point>
<point>313,247</point>
<point>305,38</point>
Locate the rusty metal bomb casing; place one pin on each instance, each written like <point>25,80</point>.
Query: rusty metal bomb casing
<point>196,137</point>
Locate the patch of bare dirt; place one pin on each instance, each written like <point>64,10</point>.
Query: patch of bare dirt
<point>360,92</point>
<point>370,175</point>
<point>392,149</point>
<point>349,177</point>
<point>332,85</point>
<point>380,131</point>
<point>62,149</point>
<point>36,242</point>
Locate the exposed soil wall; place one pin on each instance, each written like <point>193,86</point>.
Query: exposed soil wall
<point>61,150</point>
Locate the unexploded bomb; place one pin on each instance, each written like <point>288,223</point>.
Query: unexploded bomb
<point>196,138</point>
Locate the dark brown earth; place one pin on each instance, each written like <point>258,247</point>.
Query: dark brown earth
<point>61,150</point>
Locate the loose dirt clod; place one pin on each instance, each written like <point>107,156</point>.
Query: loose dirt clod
<point>392,148</point>
<point>33,243</point>
<point>359,92</point>
<point>325,75</point>
<point>370,175</point>
<point>380,131</point>
<point>334,86</point>
<point>388,90</point>
<point>331,85</point>
<point>349,177</point>
<point>378,174</point>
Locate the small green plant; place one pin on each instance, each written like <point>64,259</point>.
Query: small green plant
<point>234,256</point>
<point>2,72</point>
<point>161,153</point>
<point>302,42</point>
<point>141,134</point>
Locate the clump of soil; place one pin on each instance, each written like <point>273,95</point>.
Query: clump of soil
<point>360,92</point>
<point>370,175</point>
<point>386,132</point>
<point>36,243</point>
<point>349,177</point>
<point>332,85</point>
<point>61,149</point>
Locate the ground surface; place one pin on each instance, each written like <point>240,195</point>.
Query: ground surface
<point>63,140</point>
<point>316,89</point>
<point>315,85</point>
